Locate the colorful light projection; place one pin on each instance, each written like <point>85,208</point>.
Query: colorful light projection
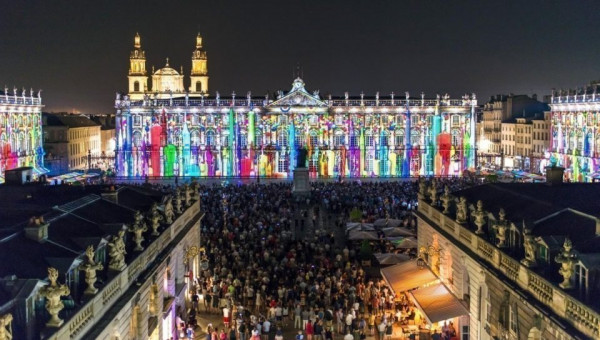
<point>223,137</point>
<point>574,136</point>
<point>21,131</point>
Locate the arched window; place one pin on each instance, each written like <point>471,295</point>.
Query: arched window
<point>369,140</point>
<point>136,86</point>
<point>339,138</point>
<point>383,139</point>
<point>198,86</point>
<point>314,138</point>
<point>299,141</point>
<point>195,138</point>
<point>224,138</point>
<point>243,140</point>
<point>400,137</point>
<point>210,138</point>
<point>258,137</point>
<point>137,139</point>
<point>283,164</point>
<point>455,137</point>
<point>282,137</point>
<point>354,139</point>
<point>415,138</point>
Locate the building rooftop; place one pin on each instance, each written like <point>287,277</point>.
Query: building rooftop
<point>69,120</point>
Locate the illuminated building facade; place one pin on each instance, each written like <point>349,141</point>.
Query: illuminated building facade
<point>21,131</point>
<point>173,132</point>
<point>575,137</point>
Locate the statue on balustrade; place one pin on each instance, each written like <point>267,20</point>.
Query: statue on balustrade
<point>117,252</point>
<point>138,229</point>
<point>446,200</point>
<point>433,194</point>
<point>567,259</point>
<point>479,215</point>
<point>6,327</point>
<point>187,190</point>
<point>168,210</point>
<point>155,218</point>
<point>461,210</point>
<point>178,203</point>
<point>90,267</point>
<point>500,227</point>
<point>422,189</point>
<point>52,292</point>
<point>529,246</point>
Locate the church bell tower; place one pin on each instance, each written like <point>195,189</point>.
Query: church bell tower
<point>138,79</point>
<point>199,75</point>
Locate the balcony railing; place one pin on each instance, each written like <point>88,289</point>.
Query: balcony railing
<point>16,100</point>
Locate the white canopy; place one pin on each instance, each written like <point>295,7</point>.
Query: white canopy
<point>437,303</point>
<point>407,275</point>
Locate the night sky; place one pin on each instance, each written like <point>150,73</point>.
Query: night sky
<point>78,51</point>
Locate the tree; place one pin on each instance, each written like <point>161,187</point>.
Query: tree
<point>355,215</point>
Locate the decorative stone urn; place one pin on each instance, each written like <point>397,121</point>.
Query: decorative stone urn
<point>52,292</point>
<point>479,215</point>
<point>90,267</point>
<point>567,260</point>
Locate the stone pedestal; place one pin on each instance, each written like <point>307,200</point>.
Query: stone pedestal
<point>301,182</point>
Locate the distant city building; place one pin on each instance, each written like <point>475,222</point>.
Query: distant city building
<point>108,141</point>
<point>97,263</point>
<point>168,131</point>
<point>575,140</point>
<point>522,258</point>
<point>21,131</point>
<point>69,140</point>
<point>504,108</point>
<point>524,142</point>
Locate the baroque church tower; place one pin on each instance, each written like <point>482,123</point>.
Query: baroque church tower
<point>138,79</point>
<point>199,74</point>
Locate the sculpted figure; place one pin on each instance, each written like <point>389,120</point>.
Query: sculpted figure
<point>138,229</point>
<point>446,200</point>
<point>90,267</point>
<point>422,189</point>
<point>529,245</point>
<point>187,190</point>
<point>117,251</point>
<point>479,215</point>
<point>5,327</point>
<point>178,200</point>
<point>155,219</point>
<point>500,227</point>
<point>461,210</point>
<point>153,307</point>
<point>168,211</point>
<point>433,192</point>
<point>567,260</point>
<point>52,292</point>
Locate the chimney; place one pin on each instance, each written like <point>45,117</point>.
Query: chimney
<point>554,175</point>
<point>111,194</point>
<point>37,229</point>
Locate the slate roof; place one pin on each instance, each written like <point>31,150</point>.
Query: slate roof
<point>72,121</point>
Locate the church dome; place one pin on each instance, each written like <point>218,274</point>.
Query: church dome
<point>166,71</point>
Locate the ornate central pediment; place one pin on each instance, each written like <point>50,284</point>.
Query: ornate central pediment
<point>298,96</point>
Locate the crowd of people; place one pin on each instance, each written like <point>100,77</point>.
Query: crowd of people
<point>277,262</point>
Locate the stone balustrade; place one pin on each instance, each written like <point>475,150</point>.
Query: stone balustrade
<point>581,317</point>
<point>79,322</point>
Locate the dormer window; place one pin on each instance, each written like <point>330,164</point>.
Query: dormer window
<point>542,253</point>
